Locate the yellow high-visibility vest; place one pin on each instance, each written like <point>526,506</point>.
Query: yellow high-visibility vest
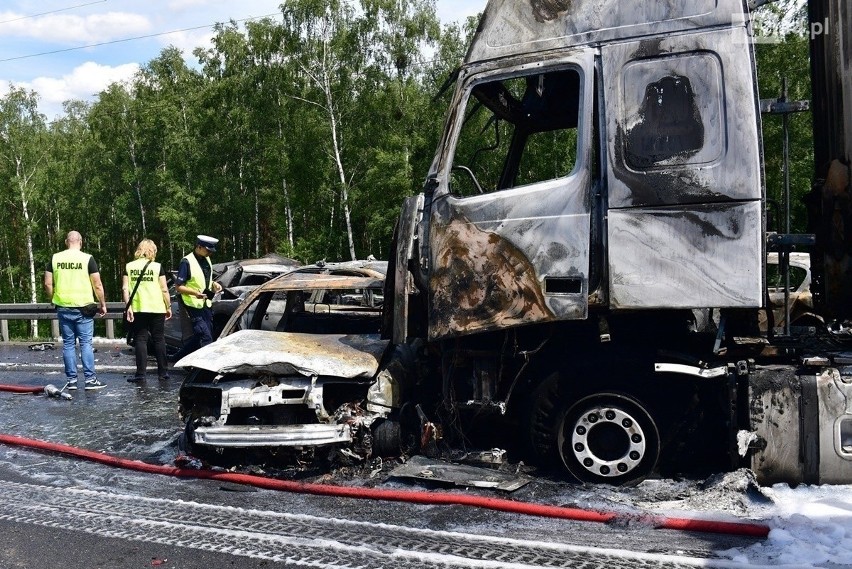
<point>196,281</point>
<point>72,286</point>
<point>149,295</point>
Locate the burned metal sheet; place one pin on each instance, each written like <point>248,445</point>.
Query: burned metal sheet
<point>686,257</point>
<point>355,356</point>
<point>423,468</point>
<point>480,281</point>
<point>310,281</point>
<point>669,124</point>
<point>512,27</point>
<point>519,255</point>
<point>801,425</point>
<point>673,136</point>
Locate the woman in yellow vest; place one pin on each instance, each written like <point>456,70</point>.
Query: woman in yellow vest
<point>150,307</point>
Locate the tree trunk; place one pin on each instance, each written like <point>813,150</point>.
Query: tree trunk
<point>23,181</point>
<point>344,190</point>
<point>288,213</point>
<point>131,150</point>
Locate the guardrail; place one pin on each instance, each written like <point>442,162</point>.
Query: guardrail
<point>46,311</point>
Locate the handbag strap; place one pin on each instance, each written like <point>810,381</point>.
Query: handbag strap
<point>136,287</point>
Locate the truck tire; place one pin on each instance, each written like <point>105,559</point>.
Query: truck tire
<point>541,420</point>
<point>608,438</point>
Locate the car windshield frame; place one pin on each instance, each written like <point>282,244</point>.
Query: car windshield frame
<point>301,282</point>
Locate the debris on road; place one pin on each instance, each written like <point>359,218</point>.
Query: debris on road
<point>423,468</point>
<point>51,390</point>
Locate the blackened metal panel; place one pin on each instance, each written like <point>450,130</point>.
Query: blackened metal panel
<point>489,274</point>
<point>774,394</point>
<point>682,120</point>
<point>834,401</point>
<point>513,27</point>
<point>831,79</point>
<point>686,257</point>
<point>809,429</point>
<point>405,238</point>
<point>352,356</point>
<point>796,421</point>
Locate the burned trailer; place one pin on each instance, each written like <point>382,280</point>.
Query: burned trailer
<point>587,261</point>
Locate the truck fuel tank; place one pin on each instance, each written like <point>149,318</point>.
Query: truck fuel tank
<point>801,422</point>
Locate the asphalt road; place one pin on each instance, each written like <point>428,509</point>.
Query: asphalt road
<point>57,511</point>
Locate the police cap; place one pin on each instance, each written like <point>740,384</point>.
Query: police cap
<point>207,242</point>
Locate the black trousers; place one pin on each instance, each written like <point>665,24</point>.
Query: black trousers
<point>202,324</point>
<point>147,324</point>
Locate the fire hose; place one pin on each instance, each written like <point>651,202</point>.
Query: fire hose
<point>414,497</point>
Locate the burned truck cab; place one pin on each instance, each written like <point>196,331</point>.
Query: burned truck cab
<point>599,179</point>
<point>598,156</point>
<point>595,157</point>
<point>587,262</point>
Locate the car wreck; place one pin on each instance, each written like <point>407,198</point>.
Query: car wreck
<point>300,366</point>
<point>798,297</point>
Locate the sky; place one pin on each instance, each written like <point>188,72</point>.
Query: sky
<point>73,49</point>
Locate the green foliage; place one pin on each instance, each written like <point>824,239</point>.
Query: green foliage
<point>282,131</point>
<point>786,58</point>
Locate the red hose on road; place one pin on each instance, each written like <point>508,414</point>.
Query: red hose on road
<point>432,498</point>
<point>21,388</point>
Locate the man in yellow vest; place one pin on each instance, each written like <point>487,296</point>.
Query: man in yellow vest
<point>194,283</point>
<point>71,281</point>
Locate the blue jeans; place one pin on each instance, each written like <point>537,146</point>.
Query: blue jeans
<point>73,326</point>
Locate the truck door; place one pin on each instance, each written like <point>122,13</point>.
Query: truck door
<point>685,189</point>
<point>509,232</point>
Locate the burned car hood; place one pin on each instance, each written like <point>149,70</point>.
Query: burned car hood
<point>355,356</point>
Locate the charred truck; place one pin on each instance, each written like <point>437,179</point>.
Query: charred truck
<point>585,271</point>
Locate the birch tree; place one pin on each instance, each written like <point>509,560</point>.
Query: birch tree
<point>327,55</point>
<point>24,152</point>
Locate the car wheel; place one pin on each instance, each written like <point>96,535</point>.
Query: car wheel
<point>387,438</point>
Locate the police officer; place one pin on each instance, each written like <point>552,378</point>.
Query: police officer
<point>71,281</point>
<point>149,308</point>
<point>194,283</point>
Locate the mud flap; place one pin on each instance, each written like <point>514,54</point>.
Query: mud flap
<point>809,430</point>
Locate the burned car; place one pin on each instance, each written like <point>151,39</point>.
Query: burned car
<point>800,297</point>
<point>299,366</point>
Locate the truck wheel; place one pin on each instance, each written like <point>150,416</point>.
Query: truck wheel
<point>608,438</point>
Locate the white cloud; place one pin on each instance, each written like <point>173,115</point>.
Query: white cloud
<point>66,72</point>
<point>188,41</point>
<point>83,83</point>
<point>65,29</point>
